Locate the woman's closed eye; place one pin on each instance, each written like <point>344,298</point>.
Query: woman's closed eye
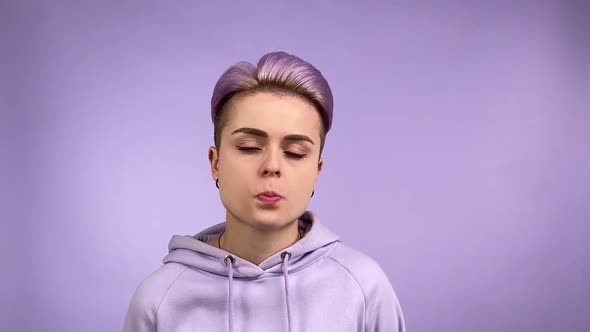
<point>248,149</point>
<point>295,155</point>
<point>253,149</point>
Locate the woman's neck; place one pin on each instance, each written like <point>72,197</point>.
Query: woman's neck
<point>255,245</point>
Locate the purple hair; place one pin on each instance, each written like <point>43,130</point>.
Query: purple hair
<point>280,72</point>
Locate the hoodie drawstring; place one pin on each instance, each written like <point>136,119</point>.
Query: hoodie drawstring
<point>285,256</point>
<point>229,261</point>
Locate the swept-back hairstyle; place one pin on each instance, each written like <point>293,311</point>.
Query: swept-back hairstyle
<point>276,72</point>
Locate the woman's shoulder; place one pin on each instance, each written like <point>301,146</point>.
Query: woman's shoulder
<point>142,314</point>
<point>364,269</point>
<point>153,288</point>
<point>383,311</point>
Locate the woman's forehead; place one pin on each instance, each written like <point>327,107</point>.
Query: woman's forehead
<point>274,114</point>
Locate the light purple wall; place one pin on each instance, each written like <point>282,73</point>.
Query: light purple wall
<point>459,157</point>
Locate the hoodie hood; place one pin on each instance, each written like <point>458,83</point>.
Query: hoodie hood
<point>194,251</point>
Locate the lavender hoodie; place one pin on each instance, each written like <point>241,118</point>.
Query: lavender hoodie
<point>317,284</point>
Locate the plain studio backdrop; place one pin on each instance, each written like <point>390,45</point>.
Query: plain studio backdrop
<point>459,157</point>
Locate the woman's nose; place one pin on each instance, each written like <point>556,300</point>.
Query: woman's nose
<point>271,165</point>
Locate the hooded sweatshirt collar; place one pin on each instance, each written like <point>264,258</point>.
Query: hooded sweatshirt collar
<point>194,251</point>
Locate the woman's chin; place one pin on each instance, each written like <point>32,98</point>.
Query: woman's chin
<point>269,219</point>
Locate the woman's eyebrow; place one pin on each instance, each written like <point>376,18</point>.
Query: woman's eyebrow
<point>262,133</point>
<point>251,131</point>
<point>297,137</point>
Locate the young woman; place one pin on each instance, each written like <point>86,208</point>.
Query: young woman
<point>271,266</point>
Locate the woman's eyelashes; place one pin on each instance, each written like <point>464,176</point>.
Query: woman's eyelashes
<point>295,155</point>
<point>248,149</point>
<point>252,150</point>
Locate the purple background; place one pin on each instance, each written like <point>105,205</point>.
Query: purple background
<point>459,157</point>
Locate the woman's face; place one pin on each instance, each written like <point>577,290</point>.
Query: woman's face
<point>271,143</point>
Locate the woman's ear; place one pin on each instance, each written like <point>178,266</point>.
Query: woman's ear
<point>320,165</point>
<point>214,162</point>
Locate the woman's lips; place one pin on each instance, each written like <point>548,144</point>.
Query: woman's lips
<point>268,198</point>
